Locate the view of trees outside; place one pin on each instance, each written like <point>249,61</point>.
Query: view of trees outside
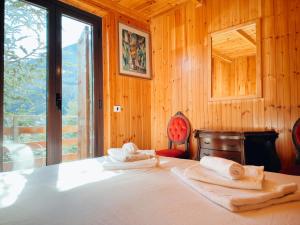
<point>25,79</point>
<point>25,74</point>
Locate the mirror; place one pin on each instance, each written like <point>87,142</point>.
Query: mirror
<point>235,68</point>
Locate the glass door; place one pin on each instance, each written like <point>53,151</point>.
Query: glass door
<point>77,89</point>
<point>50,64</point>
<point>24,86</point>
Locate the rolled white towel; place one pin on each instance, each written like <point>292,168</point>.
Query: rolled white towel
<point>224,167</point>
<point>130,148</point>
<point>253,178</point>
<point>122,156</point>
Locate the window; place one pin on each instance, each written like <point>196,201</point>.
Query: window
<point>50,110</point>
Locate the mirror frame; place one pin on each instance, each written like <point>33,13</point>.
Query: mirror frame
<point>258,93</point>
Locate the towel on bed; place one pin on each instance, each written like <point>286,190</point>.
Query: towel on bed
<point>237,200</point>
<point>224,167</point>
<point>123,156</point>
<point>112,164</point>
<point>253,177</point>
<point>130,148</point>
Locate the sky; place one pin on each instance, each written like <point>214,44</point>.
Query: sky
<point>71,31</point>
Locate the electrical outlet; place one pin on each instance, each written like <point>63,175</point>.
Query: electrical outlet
<point>117,108</point>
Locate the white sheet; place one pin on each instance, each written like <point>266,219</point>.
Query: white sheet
<point>81,193</point>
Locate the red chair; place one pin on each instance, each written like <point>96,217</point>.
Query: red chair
<point>296,139</point>
<point>178,131</point>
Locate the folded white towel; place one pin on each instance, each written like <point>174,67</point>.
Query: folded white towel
<point>253,177</point>
<point>111,164</point>
<point>224,167</point>
<point>123,156</point>
<point>130,148</point>
<point>238,200</point>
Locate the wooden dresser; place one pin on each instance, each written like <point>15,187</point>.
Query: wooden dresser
<point>246,147</point>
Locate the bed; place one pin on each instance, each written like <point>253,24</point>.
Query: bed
<point>81,193</point>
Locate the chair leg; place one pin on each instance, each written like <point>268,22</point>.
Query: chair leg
<point>187,150</point>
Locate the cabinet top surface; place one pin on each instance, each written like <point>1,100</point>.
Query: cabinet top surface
<point>200,132</point>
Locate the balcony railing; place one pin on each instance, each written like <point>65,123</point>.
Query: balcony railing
<point>35,138</point>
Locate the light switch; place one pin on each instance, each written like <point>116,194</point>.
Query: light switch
<point>117,108</point>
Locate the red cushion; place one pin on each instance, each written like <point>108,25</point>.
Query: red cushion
<point>175,153</point>
<point>178,129</point>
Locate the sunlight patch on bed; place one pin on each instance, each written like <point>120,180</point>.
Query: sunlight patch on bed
<point>76,174</point>
<point>11,186</point>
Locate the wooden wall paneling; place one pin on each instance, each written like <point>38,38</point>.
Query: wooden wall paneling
<point>280,105</point>
<point>167,57</point>
<point>206,16</point>
<point>236,115</point>
<point>244,10</point>
<point>247,115</point>
<point>157,83</point>
<point>133,122</point>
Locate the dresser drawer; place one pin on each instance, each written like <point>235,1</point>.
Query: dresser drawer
<point>232,155</point>
<point>221,144</point>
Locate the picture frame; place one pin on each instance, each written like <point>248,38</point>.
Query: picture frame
<point>134,52</point>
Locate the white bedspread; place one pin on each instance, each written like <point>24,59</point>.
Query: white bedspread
<point>81,193</point>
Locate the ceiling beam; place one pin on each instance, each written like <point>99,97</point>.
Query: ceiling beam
<point>167,8</point>
<point>102,7</point>
<point>114,6</point>
<point>85,6</point>
<point>246,37</point>
<point>199,3</point>
<point>220,56</point>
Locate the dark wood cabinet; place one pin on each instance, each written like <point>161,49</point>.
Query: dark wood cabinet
<point>246,147</point>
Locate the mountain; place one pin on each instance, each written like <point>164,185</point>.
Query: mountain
<point>31,95</point>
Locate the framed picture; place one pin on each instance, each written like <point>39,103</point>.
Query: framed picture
<point>134,52</point>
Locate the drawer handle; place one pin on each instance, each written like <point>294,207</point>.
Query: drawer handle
<point>206,142</point>
<point>206,154</point>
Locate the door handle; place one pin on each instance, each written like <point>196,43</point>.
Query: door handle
<point>58,101</point>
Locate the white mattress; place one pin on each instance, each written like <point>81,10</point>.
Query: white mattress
<point>80,193</point>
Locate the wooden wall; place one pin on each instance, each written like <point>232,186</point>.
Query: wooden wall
<point>235,78</point>
<point>133,123</point>
<point>180,58</point>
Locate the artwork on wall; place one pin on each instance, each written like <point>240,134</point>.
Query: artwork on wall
<point>134,53</point>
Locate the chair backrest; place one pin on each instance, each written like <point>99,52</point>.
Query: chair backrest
<point>179,130</point>
<point>296,139</point>
<point>296,133</point>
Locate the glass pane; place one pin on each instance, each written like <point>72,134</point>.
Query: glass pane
<point>25,85</point>
<point>77,90</point>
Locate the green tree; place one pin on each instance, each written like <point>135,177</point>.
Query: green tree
<point>24,57</point>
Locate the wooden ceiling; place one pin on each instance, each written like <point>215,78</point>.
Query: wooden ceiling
<point>142,10</point>
<point>234,43</point>
<point>148,8</point>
